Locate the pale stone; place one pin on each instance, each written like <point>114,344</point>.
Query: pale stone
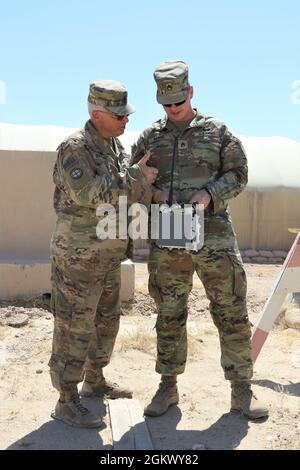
<point>17,320</point>
<point>292,318</point>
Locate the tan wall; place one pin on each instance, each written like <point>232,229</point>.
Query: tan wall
<point>31,279</point>
<point>261,218</point>
<point>26,198</point>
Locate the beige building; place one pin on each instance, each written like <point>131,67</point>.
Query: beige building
<point>262,214</point>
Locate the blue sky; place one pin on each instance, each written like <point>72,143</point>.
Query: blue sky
<point>244,59</point>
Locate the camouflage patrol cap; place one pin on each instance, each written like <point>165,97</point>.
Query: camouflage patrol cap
<point>172,82</point>
<point>111,95</point>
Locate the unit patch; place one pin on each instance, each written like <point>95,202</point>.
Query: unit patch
<point>69,162</point>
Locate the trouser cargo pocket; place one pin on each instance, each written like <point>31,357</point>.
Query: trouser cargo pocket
<point>153,287</point>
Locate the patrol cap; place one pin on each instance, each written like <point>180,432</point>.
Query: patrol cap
<point>172,82</point>
<point>110,94</point>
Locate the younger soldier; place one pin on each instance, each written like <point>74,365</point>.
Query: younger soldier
<point>210,169</point>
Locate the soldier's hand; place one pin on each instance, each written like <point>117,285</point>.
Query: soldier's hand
<point>202,197</point>
<point>160,197</point>
<point>149,172</point>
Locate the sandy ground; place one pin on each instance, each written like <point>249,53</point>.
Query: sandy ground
<point>202,419</point>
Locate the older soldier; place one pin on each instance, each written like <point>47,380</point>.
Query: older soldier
<point>210,168</point>
<point>86,269</point>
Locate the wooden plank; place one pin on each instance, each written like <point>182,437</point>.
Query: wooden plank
<point>287,282</point>
<point>129,430</point>
<point>142,437</point>
<point>120,421</point>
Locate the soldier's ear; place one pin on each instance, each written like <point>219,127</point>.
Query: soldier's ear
<point>191,92</point>
<point>96,115</point>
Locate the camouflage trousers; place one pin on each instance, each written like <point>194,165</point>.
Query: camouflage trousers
<point>86,307</point>
<point>224,280</point>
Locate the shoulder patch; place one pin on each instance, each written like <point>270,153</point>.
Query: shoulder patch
<point>76,174</point>
<point>69,162</point>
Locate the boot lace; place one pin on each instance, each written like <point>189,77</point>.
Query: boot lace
<point>79,406</point>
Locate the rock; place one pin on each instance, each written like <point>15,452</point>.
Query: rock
<point>292,318</point>
<point>17,320</point>
<point>250,253</point>
<point>266,253</point>
<point>39,371</point>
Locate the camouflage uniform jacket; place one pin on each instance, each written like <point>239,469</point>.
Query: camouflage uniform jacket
<point>88,173</point>
<point>208,157</point>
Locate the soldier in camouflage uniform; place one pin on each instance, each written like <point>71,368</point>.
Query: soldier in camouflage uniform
<point>210,169</point>
<point>86,269</point>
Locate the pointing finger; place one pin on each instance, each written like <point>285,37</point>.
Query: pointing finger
<point>145,158</point>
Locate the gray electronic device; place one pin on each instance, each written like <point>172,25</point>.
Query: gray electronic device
<point>179,226</point>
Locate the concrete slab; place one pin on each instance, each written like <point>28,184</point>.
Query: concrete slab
<point>29,278</point>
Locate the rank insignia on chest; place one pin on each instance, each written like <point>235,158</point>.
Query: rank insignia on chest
<point>182,144</point>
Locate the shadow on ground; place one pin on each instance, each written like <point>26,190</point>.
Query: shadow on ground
<point>55,435</point>
<point>226,433</point>
<point>289,389</point>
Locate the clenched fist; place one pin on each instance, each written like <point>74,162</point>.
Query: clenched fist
<point>161,197</point>
<point>202,197</point>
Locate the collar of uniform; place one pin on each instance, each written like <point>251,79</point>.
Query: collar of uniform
<point>96,139</point>
<point>198,120</point>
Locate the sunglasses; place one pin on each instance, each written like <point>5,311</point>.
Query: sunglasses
<point>115,116</point>
<point>175,104</point>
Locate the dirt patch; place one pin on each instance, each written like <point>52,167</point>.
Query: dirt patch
<point>201,420</point>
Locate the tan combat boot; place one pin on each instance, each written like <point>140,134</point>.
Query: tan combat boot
<point>70,410</point>
<point>166,396</point>
<point>244,400</point>
<point>96,385</point>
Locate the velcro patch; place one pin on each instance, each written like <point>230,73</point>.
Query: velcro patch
<point>76,174</point>
<point>69,162</point>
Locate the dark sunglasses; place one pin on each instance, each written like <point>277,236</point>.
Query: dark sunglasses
<point>119,118</point>
<point>115,116</point>
<point>175,104</point>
